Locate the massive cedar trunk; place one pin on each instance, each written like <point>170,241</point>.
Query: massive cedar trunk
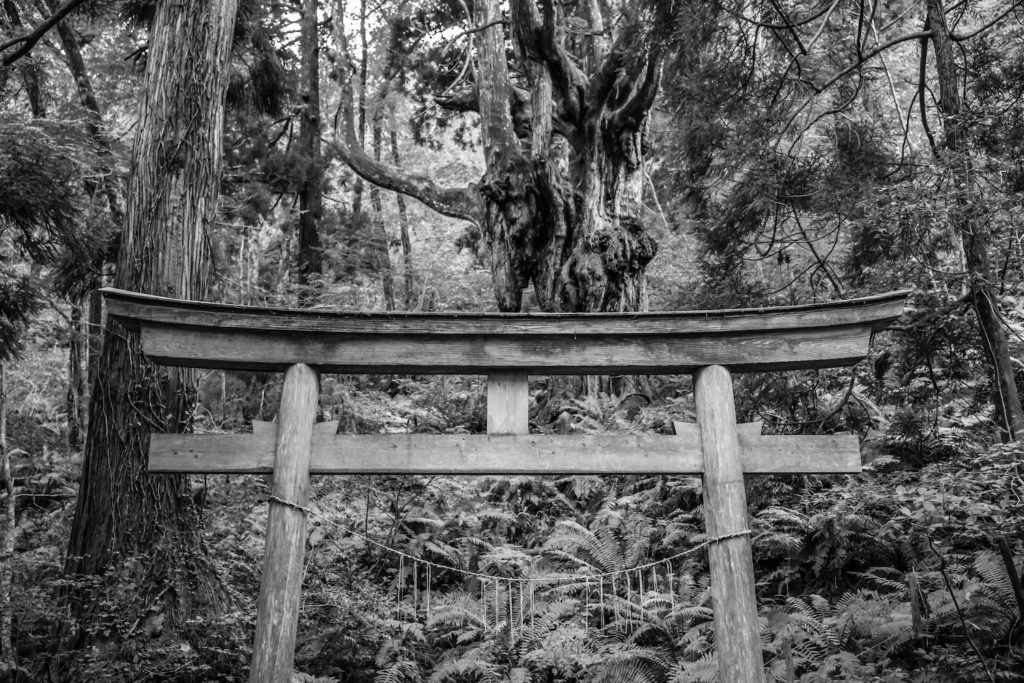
<point>310,263</point>
<point>974,232</point>
<point>559,206</point>
<point>173,186</point>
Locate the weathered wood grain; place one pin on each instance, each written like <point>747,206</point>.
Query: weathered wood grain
<point>731,563</point>
<point>256,349</point>
<point>465,454</point>
<point>508,403</point>
<point>135,310</point>
<point>238,337</point>
<point>277,609</point>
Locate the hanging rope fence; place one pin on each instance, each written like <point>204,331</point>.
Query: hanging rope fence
<point>630,580</point>
<point>565,581</point>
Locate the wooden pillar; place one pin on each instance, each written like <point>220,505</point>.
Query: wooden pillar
<point>508,403</point>
<point>737,632</point>
<point>277,611</point>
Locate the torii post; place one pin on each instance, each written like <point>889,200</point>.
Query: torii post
<point>507,348</point>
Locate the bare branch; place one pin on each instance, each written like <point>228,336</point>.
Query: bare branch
<point>871,55</point>
<point>854,67</point>
<point>1000,17</point>
<point>789,27</point>
<point>470,31</point>
<point>29,40</point>
<point>824,23</point>
<point>761,24</point>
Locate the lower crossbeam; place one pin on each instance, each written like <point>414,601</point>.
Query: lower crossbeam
<point>538,454</point>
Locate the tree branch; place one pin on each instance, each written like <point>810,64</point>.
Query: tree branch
<point>463,202</point>
<point>853,67</point>
<point>761,24</point>
<point>637,105</point>
<point>871,55</point>
<point>789,26</point>
<point>1000,17</point>
<point>29,40</point>
<point>922,67</point>
<point>566,75</point>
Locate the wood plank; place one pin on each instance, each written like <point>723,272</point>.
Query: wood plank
<point>508,403</point>
<point>730,560</point>
<point>749,431</point>
<point>239,337</point>
<point>265,428</point>
<point>135,309</point>
<point>478,454</point>
<point>277,609</point>
<point>258,349</point>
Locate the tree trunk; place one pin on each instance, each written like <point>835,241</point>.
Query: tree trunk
<point>568,218</point>
<point>387,276</point>
<point>31,73</point>
<point>310,265</point>
<point>95,337</point>
<point>172,202</point>
<point>8,657</point>
<point>973,232</point>
<point>357,190</point>
<point>76,382</point>
<point>408,274</point>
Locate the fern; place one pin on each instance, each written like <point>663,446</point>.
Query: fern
<point>403,671</point>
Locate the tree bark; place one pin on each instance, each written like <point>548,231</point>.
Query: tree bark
<point>8,657</point>
<point>172,202</point>
<point>357,190</point>
<point>408,273</point>
<point>387,275</point>
<point>76,383</point>
<point>310,265</point>
<point>95,338</point>
<point>974,233</point>
<point>30,69</point>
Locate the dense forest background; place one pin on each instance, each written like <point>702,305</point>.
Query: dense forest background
<point>563,155</point>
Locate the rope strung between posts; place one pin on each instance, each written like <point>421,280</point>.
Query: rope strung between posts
<point>571,581</point>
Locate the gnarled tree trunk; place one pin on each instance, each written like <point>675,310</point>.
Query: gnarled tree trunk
<point>559,205</point>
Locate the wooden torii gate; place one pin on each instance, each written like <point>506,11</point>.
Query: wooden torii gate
<point>507,348</point>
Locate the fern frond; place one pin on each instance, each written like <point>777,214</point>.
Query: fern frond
<point>403,671</point>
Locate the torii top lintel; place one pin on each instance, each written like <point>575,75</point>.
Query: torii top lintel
<point>213,335</point>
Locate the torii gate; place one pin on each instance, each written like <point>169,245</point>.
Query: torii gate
<point>507,347</point>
